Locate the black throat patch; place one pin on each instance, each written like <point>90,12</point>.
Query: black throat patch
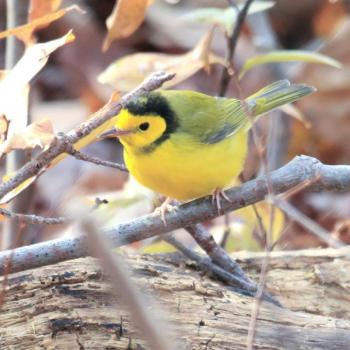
<point>155,104</point>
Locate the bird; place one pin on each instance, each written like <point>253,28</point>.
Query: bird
<point>185,144</point>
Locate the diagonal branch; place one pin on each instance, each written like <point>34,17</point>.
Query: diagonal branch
<point>64,142</point>
<point>329,177</point>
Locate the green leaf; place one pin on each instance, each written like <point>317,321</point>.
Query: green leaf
<point>223,17</point>
<point>288,56</point>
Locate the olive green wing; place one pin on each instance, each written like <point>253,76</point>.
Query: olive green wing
<point>207,119</point>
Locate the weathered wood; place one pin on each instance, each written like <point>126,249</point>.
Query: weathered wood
<point>69,305</point>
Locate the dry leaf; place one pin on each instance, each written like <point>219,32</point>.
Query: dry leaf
<point>126,17</point>
<point>38,134</point>
<point>128,72</point>
<point>14,85</point>
<point>25,32</point>
<point>39,8</point>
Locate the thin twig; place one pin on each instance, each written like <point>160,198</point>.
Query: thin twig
<point>125,288</point>
<point>232,44</point>
<point>87,158</point>
<point>42,220</point>
<point>334,178</point>
<point>32,219</point>
<point>226,73</point>
<point>305,221</point>
<point>258,299</point>
<point>267,235</point>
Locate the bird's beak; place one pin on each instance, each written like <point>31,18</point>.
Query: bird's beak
<point>114,133</point>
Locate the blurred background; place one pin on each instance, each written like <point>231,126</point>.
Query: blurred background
<point>67,90</point>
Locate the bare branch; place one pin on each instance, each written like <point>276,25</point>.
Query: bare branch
<point>32,219</point>
<point>329,177</point>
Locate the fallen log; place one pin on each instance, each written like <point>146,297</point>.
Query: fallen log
<point>69,305</point>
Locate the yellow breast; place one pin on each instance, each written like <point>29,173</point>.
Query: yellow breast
<point>184,170</point>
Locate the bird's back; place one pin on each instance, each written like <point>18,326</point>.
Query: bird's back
<point>206,118</point>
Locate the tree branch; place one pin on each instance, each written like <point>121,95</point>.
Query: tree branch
<point>329,177</point>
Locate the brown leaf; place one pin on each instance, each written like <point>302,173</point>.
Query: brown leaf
<point>38,134</point>
<point>39,8</point>
<point>129,71</point>
<point>25,32</point>
<point>126,17</point>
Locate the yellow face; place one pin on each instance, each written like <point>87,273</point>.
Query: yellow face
<point>144,130</point>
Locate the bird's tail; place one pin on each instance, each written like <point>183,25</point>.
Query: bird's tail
<point>276,94</point>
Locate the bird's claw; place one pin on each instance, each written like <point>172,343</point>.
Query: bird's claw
<point>164,208</point>
<point>216,198</point>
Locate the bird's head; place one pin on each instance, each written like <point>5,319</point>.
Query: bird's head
<point>145,122</point>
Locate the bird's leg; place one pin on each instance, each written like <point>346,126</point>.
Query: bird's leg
<point>164,208</point>
<point>218,192</point>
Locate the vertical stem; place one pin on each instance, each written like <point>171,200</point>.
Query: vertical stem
<point>16,12</point>
<point>279,125</point>
<point>232,44</point>
<point>228,71</point>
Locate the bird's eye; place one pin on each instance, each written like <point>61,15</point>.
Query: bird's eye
<point>144,126</point>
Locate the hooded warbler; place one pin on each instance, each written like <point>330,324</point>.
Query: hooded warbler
<point>185,144</point>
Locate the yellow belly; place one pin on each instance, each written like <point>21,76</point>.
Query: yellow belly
<point>183,170</point>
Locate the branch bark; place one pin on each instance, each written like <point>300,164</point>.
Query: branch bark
<point>328,177</point>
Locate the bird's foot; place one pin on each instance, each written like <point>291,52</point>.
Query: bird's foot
<point>216,198</point>
<point>164,208</point>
